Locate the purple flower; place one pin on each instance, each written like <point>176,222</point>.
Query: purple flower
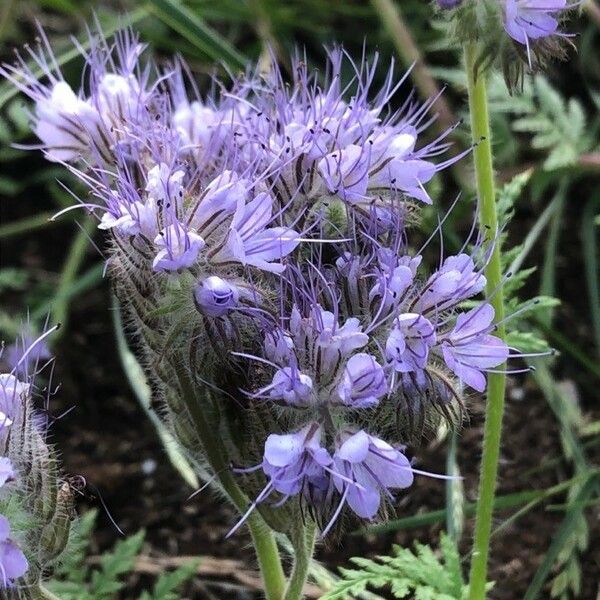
<point>294,463</point>
<point>446,4</point>
<point>220,199</point>
<point>279,347</point>
<point>526,20</point>
<point>363,382</point>
<point>295,459</point>
<point>165,185</point>
<point>335,342</point>
<point>252,242</point>
<point>407,346</point>
<point>178,248</point>
<point>195,123</point>
<point>291,386</point>
<point>215,297</point>
<point>13,563</point>
<point>12,395</point>
<point>391,287</point>
<point>454,282</point>
<point>345,173</point>
<point>369,467</point>
<point>469,350</point>
<point>7,472</point>
<point>64,123</point>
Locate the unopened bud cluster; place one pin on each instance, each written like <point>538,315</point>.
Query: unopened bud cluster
<point>35,505</point>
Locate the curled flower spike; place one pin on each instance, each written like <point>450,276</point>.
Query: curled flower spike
<point>259,243</point>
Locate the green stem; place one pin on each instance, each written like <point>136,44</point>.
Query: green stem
<point>482,154</point>
<point>44,594</point>
<point>303,542</point>
<point>263,539</point>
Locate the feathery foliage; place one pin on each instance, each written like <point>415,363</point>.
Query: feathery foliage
<point>420,574</point>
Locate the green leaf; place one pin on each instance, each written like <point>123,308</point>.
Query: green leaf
<point>195,30</point>
<point>106,581</point>
<point>418,574</point>
<point>169,583</point>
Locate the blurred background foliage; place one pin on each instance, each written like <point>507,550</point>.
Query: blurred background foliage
<point>547,136</point>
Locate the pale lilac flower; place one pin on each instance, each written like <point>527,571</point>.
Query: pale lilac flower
<point>526,20</point>
<point>363,382</point>
<point>12,395</point>
<point>291,386</point>
<point>370,467</point>
<point>165,185</point>
<point>178,248</point>
<point>345,173</point>
<point>295,459</point>
<point>13,563</point>
<point>215,297</point>
<point>64,123</point>
<point>195,123</point>
<point>407,346</point>
<point>469,350</point>
<point>457,280</point>
<point>7,472</point>
<point>252,242</point>
<point>336,342</point>
<point>294,463</point>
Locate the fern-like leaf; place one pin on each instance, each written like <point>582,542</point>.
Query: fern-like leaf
<point>421,574</point>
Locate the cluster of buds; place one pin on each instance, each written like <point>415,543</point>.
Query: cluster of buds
<point>259,246</point>
<point>520,32</point>
<point>35,504</point>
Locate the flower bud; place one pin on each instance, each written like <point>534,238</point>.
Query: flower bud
<point>215,297</point>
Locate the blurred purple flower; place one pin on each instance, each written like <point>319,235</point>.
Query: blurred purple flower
<point>13,563</point>
<point>7,472</point>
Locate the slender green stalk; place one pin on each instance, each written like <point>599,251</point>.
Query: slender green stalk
<point>263,539</point>
<point>42,593</point>
<point>303,542</point>
<point>482,154</point>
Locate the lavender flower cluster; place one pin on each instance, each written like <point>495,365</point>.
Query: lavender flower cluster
<point>259,244</point>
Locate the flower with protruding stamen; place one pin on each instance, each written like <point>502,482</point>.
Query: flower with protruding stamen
<point>469,350</point>
<point>370,467</point>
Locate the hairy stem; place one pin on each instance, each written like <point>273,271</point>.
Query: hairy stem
<point>303,542</point>
<point>263,539</point>
<point>482,154</point>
